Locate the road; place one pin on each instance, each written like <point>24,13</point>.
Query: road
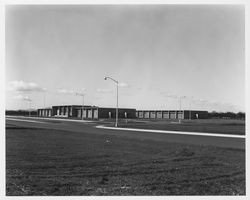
<point>90,127</point>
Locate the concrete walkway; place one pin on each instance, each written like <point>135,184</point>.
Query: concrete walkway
<point>173,132</point>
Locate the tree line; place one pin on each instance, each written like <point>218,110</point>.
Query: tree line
<point>21,112</point>
<point>226,115</point>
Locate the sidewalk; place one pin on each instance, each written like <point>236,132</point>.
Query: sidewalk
<point>173,132</point>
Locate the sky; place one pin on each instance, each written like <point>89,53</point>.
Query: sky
<point>163,56</point>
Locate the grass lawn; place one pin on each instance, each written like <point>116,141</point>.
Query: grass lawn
<point>203,125</point>
<point>52,162</point>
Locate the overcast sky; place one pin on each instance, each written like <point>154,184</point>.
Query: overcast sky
<point>157,52</point>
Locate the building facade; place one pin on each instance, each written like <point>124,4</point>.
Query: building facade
<point>86,112</point>
<point>94,112</point>
<point>171,114</point>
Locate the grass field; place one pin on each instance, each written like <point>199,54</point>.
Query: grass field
<point>225,126</point>
<point>52,162</point>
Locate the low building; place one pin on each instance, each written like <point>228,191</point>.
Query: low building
<point>171,114</point>
<point>94,112</point>
<point>71,111</point>
<point>45,112</point>
<point>86,112</point>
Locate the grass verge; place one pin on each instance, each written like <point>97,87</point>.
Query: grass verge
<point>205,125</point>
<point>52,162</point>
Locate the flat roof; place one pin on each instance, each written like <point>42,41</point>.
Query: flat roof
<point>173,110</point>
<point>72,106</point>
<point>86,106</point>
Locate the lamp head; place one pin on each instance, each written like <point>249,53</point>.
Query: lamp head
<point>105,78</point>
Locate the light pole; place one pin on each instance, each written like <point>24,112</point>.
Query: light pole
<point>29,108</point>
<point>29,101</point>
<point>180,106</point>
<point>190,101</point>
<point>44,99</point>
<point>81,94</point>
<point>116,117</point>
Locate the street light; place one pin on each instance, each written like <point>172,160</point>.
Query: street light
<point>29,107</point>
<point>116,118</point>
<point>180,97</point>
<point>44,99</point>
<point>81,94</point>
<point>29,101</point>
<point>190,101</point>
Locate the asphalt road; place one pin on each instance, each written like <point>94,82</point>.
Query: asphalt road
<point>90,127</point>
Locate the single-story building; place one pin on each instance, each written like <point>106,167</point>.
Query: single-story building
<point>45,112</point>
<point>94,112</point>
<point>86,112</point>
<point>171,114</point>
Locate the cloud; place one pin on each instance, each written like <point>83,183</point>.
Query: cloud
<point>70,92</point>
<point>81,92</point>
<point>104,90</point>
<point>123,84</point>
<point>175,96</point>
<point>21,97</point>
<point>21,86</point>
<point>203,101</point>
<point>169,95</point>
<point>138,88</point>
<point>65,91</point>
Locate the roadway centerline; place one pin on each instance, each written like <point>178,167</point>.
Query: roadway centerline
<point>173,132</point>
